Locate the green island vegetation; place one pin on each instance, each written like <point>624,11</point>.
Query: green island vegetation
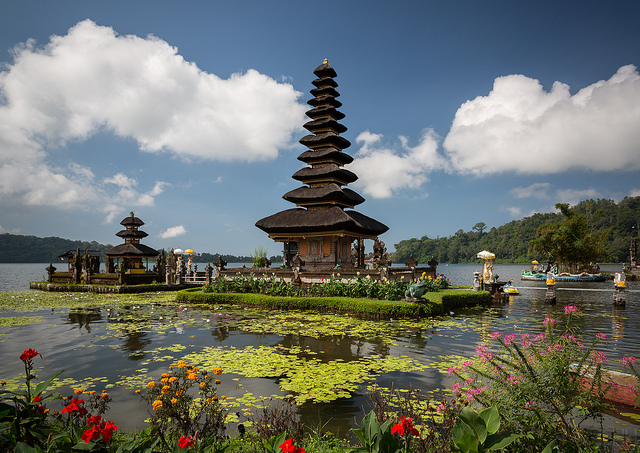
<point>616,224</point>
<point>531,392</point>
<point>359,296</point>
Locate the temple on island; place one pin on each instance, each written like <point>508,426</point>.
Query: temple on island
<point>322,227</point>
<point>132,252</point>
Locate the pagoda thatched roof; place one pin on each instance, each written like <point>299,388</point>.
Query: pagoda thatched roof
<point>328,220</point>
<point>329,194</point>
<point>325,155</point>
<point>325,173</point>
<point>138,250</point>
<point>324,140</point>
<point>131,221</point>
<point>132,234</point>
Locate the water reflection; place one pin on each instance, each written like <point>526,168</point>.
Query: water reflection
<point>84,318</point>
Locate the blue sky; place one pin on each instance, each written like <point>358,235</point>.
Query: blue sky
<point>189,113</point>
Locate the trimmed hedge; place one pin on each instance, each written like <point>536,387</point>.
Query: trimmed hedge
<point>437,303</point>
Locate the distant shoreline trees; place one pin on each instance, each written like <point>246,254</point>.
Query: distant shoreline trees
<point>613,224</point>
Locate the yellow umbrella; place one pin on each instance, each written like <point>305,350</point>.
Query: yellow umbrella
<point>485,255</point>
<point>534,262</point>
<point>189,252</point>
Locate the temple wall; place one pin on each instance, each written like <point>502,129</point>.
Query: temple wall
<point>326,246</point>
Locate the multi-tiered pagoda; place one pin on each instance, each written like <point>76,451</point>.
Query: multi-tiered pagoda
<point>132,251</point>
<point>323,226</point>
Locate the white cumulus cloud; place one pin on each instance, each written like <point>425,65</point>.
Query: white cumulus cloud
<point>383,171</point>
<point>173,232</point>
<point>93,80</point>
<point>539,190</point>
<point>521,127</point>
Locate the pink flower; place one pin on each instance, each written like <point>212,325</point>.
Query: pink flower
<point>529,404</point>
<point>495,335</point>
<point>598,357</point>
<point>452,369</point>
<point>508,339</point>
<point>548,322</point>
<point>601,336</point>
<point>475,392</point>
<point>539,337</point>
<point>570,309</point>
<point>457,386</point>
<point>626,361</point>
<point>467,364</point>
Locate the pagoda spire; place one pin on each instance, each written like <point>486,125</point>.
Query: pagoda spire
<point>323,203</point>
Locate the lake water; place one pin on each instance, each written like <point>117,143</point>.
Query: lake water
<point>111,345</point>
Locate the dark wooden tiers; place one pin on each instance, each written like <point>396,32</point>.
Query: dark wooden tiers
<point>331,194</point>
<point>131,235</point>
<point>328,173</point>
<point>325,156</point>
<point>324,195</point>
<point>128,249</point>
<point>320,222</point>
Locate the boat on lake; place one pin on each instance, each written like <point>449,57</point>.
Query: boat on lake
<point>510,289</point>
<point>562,277</point>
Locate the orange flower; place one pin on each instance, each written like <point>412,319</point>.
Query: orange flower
<point>105,395</point>
<point>138,391</point>
<point>192,376</point>
<point>174,400</point>
<point>172,379</point>
<point>181,364</point>
<point>151,385</point>
<point>218,382</point>
<point>157,404</point>
<point>203,384</point>
<point>217,370</point>
<point>166,389</point>
<point>90,392</point>
<point>78,391</point>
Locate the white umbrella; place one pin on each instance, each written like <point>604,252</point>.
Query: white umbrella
<point>485,255</point>
<point>178,252</point>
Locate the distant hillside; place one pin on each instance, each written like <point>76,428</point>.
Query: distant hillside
<point>510,242</point>
<point>16,248</point>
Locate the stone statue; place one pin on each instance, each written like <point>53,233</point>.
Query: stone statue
<point>416,290</point>
<point>50,271</point>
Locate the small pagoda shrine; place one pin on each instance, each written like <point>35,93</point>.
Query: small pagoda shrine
<point>323,226</point>
<point>132,252</point>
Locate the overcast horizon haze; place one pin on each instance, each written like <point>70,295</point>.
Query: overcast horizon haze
<point>189,113</point>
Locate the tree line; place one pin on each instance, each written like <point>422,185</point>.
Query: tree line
<point>16,248</point>
<point>615,224</point>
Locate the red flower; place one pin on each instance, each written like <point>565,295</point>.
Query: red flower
<point>37,399</point>
<point>99,428</point>
<point>185,442</point>
<point>288,447</point>
<point>29,354</point>
<point>405,424</point>
<point>75,406</point>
